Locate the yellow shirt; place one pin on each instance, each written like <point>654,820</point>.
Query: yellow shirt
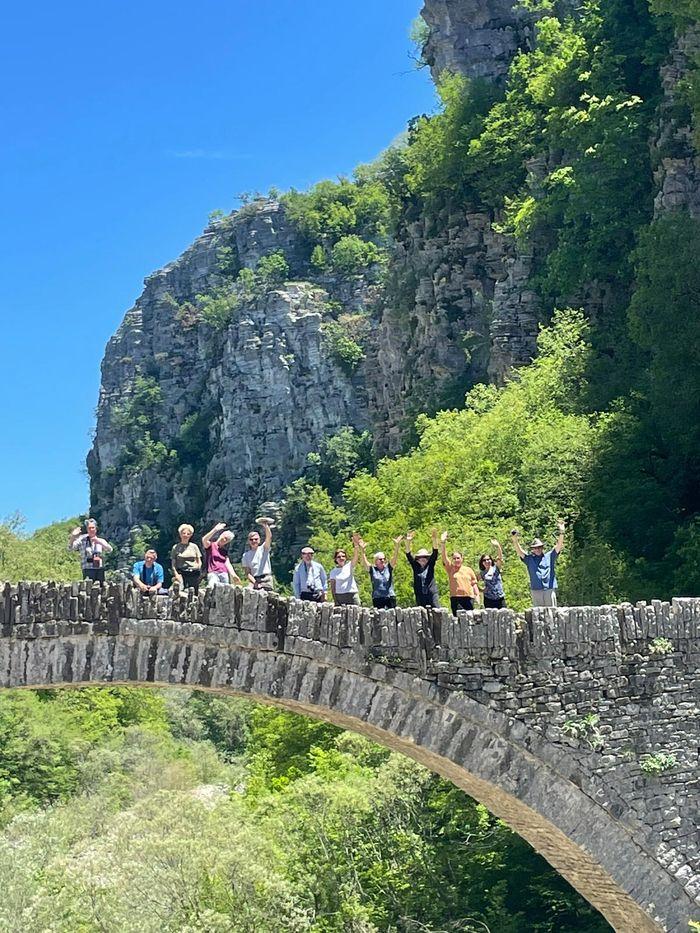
<point>462,581</point>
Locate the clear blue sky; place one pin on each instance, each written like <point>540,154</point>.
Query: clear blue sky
<point>124,125</point>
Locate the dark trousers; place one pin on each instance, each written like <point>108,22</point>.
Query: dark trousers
<point>317,596</point>
<point>463,603</point>
<point>190,579</point>
<point>428,600</point>
<point>94,573</point>
<point>491,603</point>
<point>384,602</point>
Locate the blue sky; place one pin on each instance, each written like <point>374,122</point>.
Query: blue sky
<point>124,125</point>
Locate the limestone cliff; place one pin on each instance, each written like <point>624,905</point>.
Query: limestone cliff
<point>204,422</point>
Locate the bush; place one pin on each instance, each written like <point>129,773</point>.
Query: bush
<point>351,254</point>
<point>346,351</point>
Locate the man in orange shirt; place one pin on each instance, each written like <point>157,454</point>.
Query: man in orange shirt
<point>464,588</point>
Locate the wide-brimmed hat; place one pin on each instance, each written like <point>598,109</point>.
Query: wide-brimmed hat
<point>423,553</point>
<point>536,543</point>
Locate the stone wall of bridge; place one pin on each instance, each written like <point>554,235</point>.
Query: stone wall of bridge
<point>580,726</point>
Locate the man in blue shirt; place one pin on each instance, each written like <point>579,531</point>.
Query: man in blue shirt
<point>541,566</point>
<point>147,574</point>
<point>310,582</point>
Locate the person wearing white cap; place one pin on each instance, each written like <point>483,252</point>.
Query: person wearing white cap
<point>423,567</point>
<point>541,566</point>
<point>310,581</point>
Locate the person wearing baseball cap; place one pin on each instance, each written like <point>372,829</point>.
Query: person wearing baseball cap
<point>423,567</point>
<point>310,582</point>
<point>541,566</point>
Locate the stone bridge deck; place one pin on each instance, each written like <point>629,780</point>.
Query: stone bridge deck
<point>578,726</point>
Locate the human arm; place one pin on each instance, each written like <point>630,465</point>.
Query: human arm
<point>355,551</point>
<point>324,579</point>
<point>331,583</point>
<point>74,539</point>
<point>296,582</point>
<point>499,553</point>
<point>394,559</point>
<point>106,546</point>
<point>443,549</point>
<point>248,570</point>
<point>561,528</point>
<point>232,575</point>
<point>515,538</point>
<point>476,594</point>
<point>408,543</point>
<point>265,524</point>
<point>173,564</point>
<point>363,553</point>
<point>206,540</point>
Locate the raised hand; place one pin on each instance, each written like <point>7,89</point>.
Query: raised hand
<point>444,536</point>
<point>219,526</point>
<point>398,540</point>
<point>495,543</point>
<point>410,535</point>
<point>561,527</point>
<point>75,532</point>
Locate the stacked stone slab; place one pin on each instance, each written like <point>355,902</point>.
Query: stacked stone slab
<point>546,716</point>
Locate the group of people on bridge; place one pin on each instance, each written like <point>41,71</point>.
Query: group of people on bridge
<point>311,581</point>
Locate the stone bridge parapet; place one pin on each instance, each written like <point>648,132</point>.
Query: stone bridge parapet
<point>579,726</point>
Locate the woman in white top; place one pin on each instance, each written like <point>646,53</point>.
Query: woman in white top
<point>342,577</point>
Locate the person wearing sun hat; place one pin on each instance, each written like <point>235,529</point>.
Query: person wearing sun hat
<point>541,566</point>
<point>423,567</point>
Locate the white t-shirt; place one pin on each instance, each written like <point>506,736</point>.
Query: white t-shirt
<point>344,580</point>
<point>257,561</point>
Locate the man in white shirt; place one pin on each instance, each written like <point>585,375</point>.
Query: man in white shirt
<point>256,560</point>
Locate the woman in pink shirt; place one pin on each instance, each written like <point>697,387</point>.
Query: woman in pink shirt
<point>219,569</point>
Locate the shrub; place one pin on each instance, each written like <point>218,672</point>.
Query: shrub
<point>346,351</point>
<point>352,254</point>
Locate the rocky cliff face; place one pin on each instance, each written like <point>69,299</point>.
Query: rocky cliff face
<point>230,415</point>
<point>236,411</point>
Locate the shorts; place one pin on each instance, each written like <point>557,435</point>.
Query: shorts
<point>384,602</point>
<point>463,603</point>
<point>97,575</point>
<point>428,600</point>
<point>318,596</point>
<point>493,602</point>
<point>213,578</point>
<point>544,598</point>
<point>265,581</point>
<point>347,599</point>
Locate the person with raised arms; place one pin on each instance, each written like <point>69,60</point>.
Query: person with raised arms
<point>381,574</point>
<point>342,577</point>
<point>256,560</point>
<point>541,566</point>
<point>92,550</point>
<point>490,570</point>
<point>423,567</point>
<point>464,586</point>
<point>219,568</point>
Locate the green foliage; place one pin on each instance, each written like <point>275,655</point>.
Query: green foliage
<point>193,443</point>
<point>351,254</point>
<point>585,729</point>
<point>219,307</point>
<point>660,646</point>
<point>341,346</point>
<point>340,457</point>
<point>137,418</point>
<point>272,270</point>
<point>658,763</point>
<point>332,210</point>
<point>42,555</point>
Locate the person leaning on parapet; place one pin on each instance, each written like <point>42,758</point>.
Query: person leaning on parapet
<point>256,560</point>
<point>490,568</point>
<point>186,559</point>
<point>464,586</point>
<point>147,574</point>
<point>342,577</point>
<point>219,568</point>
<point>310,581</point>
<point>541,566</point>
<point>92,550</point>
<point>381,573</point>
<point>423,566</point>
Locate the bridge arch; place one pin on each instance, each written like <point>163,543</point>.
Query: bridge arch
<point>467,698</point>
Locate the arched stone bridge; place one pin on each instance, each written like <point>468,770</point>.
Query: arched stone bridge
<point>494,701</point>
